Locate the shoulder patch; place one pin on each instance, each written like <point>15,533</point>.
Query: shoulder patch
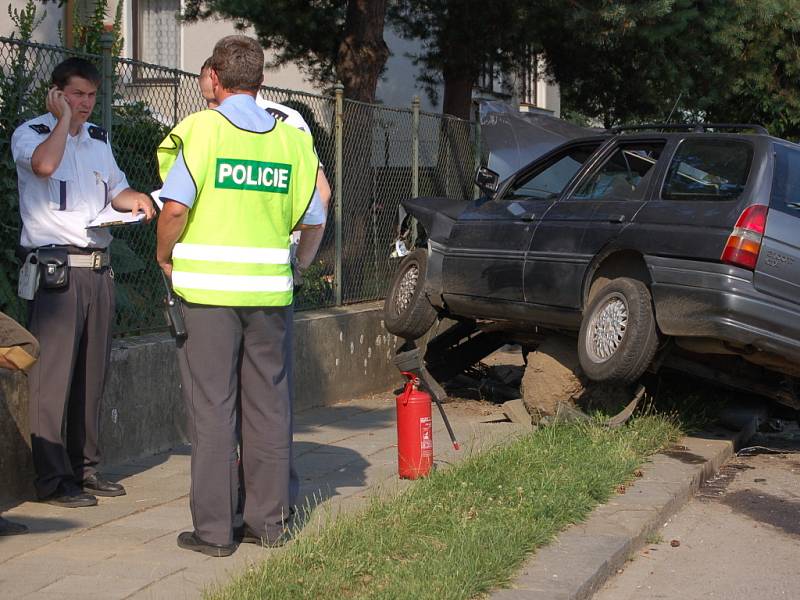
<point>40,128</point>
<point>278,114</point>
<point>98,133</point>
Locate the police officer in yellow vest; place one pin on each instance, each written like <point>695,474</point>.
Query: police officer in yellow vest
<point>236,183</point>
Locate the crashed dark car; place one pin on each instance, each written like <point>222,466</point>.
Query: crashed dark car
<point>637,239</point>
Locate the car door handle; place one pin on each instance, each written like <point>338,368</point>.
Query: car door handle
<point>616,218</point>
<point>794,205</point>
<point>530,217</point>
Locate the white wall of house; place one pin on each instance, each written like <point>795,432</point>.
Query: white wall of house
<point>47,32</point>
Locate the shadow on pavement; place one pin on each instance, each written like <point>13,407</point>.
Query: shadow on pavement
<point>41,525</point>
<point>344,417</point>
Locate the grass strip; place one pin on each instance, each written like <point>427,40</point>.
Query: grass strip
<point>466,529</point>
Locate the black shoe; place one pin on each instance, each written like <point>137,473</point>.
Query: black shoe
<point>245,535</point>
<point>189,540</point>
<point>100,486</point>
<point>70,497</point>
<point>10,528</point>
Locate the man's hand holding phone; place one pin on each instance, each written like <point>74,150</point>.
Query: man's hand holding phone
<point>57,104</point>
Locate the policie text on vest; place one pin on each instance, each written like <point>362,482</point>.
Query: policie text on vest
<point>236,174</point>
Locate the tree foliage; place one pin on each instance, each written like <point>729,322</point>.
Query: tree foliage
<point>459,37</point>
<point>722,61</point>
<point>330,39</point>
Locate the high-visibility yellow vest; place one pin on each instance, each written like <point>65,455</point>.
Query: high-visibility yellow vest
<point>252,190</point>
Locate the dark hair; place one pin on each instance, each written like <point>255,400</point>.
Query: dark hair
<point>207,64</point>
<point>239,63</point>
<point>75,67</point>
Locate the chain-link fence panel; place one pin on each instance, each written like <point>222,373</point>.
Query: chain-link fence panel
<point>318,112</point>
<point>447,156</point>
<point>376,176</point>
<point>375,166</point>
<point>148,100</point>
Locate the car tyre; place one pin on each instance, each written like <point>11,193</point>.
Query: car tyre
<point>618,336</point>
<point>407,312</point>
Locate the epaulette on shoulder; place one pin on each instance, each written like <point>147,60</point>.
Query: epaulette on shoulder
<point>278,114</point>
<point>98,133</point>
<point>39,128</point>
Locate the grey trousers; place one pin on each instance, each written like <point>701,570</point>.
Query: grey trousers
<point>239,354</point>
<point>73,326</point>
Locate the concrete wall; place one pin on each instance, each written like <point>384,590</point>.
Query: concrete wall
<point>340,353</point>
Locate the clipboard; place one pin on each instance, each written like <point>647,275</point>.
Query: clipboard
<point>110,216</point>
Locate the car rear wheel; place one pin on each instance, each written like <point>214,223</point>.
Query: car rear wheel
<point>618,338</point>
<point>407,312</point>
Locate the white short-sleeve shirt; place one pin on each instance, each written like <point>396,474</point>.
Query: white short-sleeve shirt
<point>56,209</point>
<point>283,113</point>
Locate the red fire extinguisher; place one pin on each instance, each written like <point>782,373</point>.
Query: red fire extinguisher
<point>414,430</point>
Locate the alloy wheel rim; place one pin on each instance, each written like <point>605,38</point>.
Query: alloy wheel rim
<point>607,328</point>
<point>406,289</point>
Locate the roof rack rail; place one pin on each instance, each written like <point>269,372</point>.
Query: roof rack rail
<point>692,127</point>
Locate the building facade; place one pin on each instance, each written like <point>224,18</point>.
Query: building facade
<point>153,34</point>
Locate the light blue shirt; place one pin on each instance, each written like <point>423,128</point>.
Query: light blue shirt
<point>242,111</point>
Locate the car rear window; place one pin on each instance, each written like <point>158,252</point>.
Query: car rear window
<point>710,169</point>
<point>786,180</point>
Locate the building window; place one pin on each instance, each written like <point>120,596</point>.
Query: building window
<point>488,78</point>
<point>528,78</point>
<point>156,32</point>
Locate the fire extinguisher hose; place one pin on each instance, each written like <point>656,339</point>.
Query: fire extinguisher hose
<point>437,393</point>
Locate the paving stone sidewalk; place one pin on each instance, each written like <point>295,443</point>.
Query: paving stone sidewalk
<point>125,547</point>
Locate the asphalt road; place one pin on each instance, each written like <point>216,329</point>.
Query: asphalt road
<point>739,538</point>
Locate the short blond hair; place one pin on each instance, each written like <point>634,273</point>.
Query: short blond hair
<point>239,63</point>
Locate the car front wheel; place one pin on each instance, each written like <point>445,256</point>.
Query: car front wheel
<point>407,312</point>
<point>618,337</point>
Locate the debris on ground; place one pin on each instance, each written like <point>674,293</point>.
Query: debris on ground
<point>515,411</point>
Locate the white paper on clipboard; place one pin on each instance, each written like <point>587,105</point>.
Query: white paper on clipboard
<point>156,196</point>
<point>109,216</point>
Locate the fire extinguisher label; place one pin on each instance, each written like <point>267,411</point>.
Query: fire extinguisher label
<point>426,436</point>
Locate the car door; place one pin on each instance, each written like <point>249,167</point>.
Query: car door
<point>485,253</point>
<point>592,214</point>
<point>778,268</point>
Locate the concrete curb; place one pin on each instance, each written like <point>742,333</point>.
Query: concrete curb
<point>586,555</point>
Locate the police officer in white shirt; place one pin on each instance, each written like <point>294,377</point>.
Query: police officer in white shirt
<point>67,174</point>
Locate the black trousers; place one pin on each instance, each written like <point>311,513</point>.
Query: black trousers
<point>73,326</point>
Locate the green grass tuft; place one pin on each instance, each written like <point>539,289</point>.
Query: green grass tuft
<point>466,529</point>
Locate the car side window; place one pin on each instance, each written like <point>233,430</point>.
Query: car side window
<point>549,180</point>
<point>624,176</point>
<point>708,169</point>
<point>785,195</point>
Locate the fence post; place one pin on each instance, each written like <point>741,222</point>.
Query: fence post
<point>415,147</point>
<point>338,182</point>
<point>106,41</point>
<point>175,98</point>
<point>476,192</point>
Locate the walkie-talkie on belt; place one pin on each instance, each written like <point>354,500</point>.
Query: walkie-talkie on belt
<point>173,311</point>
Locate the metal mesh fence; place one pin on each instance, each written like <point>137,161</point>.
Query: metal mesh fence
<point>375,166</point>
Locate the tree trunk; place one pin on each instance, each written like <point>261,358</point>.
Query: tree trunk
<point>457,94</point>
<point>362,52</point>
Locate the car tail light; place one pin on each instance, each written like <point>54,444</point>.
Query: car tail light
<point>744,243</point>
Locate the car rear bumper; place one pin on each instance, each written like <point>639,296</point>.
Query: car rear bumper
<point>700,299</point>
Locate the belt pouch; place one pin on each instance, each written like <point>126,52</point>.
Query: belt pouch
<point>28,277</point>
<point>54,266</point>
